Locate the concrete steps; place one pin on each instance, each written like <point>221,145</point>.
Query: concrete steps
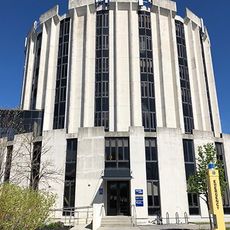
<point>116,221</point>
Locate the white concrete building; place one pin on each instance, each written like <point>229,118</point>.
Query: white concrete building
<point>127,92</point>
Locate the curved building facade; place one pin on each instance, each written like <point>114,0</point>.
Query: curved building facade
<point>128,93</point>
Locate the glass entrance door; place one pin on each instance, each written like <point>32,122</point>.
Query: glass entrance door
<point>118,198</point>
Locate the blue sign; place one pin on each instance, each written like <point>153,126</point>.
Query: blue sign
<point>104,3</point>
<point>100,191</point>
<point>146,3</point>
<point>139,201</point>
<point>138,191</point>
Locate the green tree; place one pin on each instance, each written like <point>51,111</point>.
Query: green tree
<point>23,208</point>
<point>197,183</point>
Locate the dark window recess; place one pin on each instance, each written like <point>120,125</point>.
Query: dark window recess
<point>70,178</point>
<point>190,168</point>
<point>36,72</point>
<point>101,116</point>
<point>8,163</point>
<point>61,79</point>
<point>146,71</point>
<point>35,165</point>
<point>184,78</point>
<point>206,81</point>
<point>117,153</point>
<point>220,157</point>
<point>153,190</point>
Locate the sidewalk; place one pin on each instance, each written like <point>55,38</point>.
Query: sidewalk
<point>171,226</point>
<point>149,227</point>
<point>152,227</point>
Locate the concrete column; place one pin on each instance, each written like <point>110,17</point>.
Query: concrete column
<point>194,71</point>
<point>122,69</point>
<point>53,144</point>
<point>42,77</point>
<point>134,65</point>
<point>51,70</point>
<point>138,169</point>
<point>212,88</point>
<point>201,80</point>
<point>173,189</point>
<point>158,74</point>
<point>29,70</point>
<point>75,115</point>
<point>89,76</point>
<point>167,69</point>
<point>176,74</point>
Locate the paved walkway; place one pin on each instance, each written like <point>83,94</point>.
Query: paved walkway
<point>151,227</point>
<point>171,226</point>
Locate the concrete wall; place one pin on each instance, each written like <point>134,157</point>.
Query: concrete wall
<point>90,166</point>
<point>138,168</point>
<point>172,178</point>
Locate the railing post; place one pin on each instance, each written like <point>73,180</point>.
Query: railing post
<point>185,217</point>
<point>177,218</point>
<point>167,218</point>
<point>78,217</point>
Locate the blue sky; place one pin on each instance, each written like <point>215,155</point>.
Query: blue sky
<point>17,17</point>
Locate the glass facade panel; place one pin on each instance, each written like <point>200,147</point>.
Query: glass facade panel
<point>101,117</point>
<point>13,122</point>
<point>61,78</point>
<point>152,177</point>
<point>190,168</point>
<point>35,165</point>
<point>70,177</point>
<point>8,163</point>
<point>146,69</point>
<point>117,153</point>
<point>184,78</point>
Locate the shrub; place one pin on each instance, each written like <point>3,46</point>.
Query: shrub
<point>23,208</point>
<point>55,226</point>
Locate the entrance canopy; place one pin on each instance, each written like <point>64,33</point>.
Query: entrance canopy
<point>117,174</point>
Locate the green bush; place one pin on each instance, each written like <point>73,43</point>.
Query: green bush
<point>23,208</point>
<point>54,226</point>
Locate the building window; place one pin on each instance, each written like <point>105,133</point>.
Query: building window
<point>152,175</point>
<point>70,177</point>
<point>220,157</point>
<point>117,153</point>
<point>36,72</point>
<point>61,80</point>
<point>8,163</point>
<point>190,168</point>
<point>35,165</point>
<point>101,116</point>
<point>184,78</point>
<point>146,70</point>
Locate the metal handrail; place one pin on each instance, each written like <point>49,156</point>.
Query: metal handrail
<point>72,215</point>
<point>75,208</point>
<point>166,220</point>
<point>134,215</point>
